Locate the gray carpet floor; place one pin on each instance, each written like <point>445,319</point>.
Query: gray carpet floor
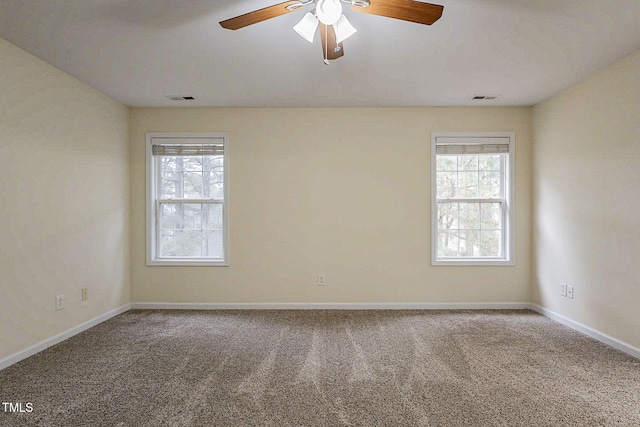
<point>326,368</point>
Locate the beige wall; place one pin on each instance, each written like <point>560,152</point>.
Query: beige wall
<point>586,201</point>
<point>64,201</point>
<point>343,192</point>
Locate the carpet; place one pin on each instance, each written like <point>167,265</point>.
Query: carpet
<point>325,368</point>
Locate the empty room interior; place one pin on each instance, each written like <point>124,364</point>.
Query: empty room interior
<point>320,213</point>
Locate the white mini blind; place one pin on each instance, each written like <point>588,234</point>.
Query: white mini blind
<point>188,149</point>
<point>457,146</point>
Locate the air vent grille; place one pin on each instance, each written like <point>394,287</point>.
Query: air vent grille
<point>484,97</point>
<point>181,98</point>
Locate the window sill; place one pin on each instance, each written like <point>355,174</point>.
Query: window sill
<point>186,263</point>
<point>472,262</point>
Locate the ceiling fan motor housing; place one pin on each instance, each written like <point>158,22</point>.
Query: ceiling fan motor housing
<point>328,11</point>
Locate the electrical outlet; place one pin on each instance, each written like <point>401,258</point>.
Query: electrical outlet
<point>85,294</point>
<point>563,289</point>
<point>570,291</point>
<point>322,279</point>
<point>59,302</point>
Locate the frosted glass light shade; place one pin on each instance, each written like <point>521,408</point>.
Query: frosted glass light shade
<point>307,27</point>
<point>343,29</point>
<point>328,11</point>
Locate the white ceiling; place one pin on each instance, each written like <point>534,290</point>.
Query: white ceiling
<point>140,51</point>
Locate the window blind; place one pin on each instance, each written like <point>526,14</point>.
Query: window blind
<point>456,146</point>
<point>188,150</point>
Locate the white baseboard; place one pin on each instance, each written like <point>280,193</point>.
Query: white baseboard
<point>330,306</point>
<point>43,345</point>
<point>602,337</point>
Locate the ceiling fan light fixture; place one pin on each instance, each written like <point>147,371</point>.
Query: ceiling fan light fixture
<point>335,26</point>
<point>328,11</point>
<point>307,27</point>
<point>343,29</point>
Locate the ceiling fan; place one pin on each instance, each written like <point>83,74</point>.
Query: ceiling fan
<point>334,26</point>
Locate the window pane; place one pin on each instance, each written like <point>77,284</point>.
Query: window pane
<point>170,243</point>
<point>469,216</point>
<point>168,163</point>
<point>489,184</point>
<point>489,162</point>
<point>212,244</point>
<point>469,229</point>
<point>446,163</point>
<point>170,216</point>
<point>470,176</point>
<point>490,243</point>
<point>467,184</point>
<point>469,243</point>
<point>170,185</point>
<point>180,216</point>
<point>215,182</point>
<point>191,218</point>
<point>491,216</point>
<point>447,244</point>
<point>192,163</point>
<point>212,216</point>
<point>210,163</point>
<point>191,230</point>
<point>191,177</point>
<point>446,184</point>
<point>468,163</point>
<point>180,243</point>
<point>193,185</point>
<point>447,216</point>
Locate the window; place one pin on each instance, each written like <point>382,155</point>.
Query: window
<point>472,212</point>
<point>187,220</point>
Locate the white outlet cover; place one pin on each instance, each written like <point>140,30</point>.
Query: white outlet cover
<point>563,289</point>
<point>322,280</point>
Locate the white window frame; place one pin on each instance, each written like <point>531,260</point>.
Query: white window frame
<point>508,199</point>
<point>152,199</point>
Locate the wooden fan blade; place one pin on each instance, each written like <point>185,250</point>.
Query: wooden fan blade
<point>328,36</point>
<point>406,10</point>
<point>258,15</point>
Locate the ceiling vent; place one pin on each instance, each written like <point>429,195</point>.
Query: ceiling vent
<point>484,97</point>
<point>181,98</point>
